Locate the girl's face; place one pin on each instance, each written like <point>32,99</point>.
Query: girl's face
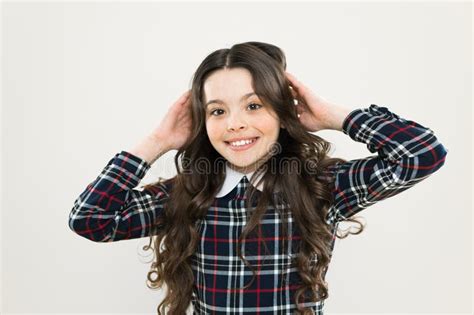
<point>234,113</point>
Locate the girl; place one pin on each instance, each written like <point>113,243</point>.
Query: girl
<point>248,224</point>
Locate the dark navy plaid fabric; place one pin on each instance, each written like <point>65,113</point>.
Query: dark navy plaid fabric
<point>111,208</point>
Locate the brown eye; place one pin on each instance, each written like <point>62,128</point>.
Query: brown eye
<point>213,111</point>
<point>259,106</point>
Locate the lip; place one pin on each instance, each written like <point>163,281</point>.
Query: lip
<point>243,147</point>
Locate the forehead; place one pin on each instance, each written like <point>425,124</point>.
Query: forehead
<point>228,84</point>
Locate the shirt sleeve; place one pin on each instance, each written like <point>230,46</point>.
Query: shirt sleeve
<point>407,153</point>
<point>111,209</point>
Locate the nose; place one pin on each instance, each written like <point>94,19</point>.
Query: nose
<point>236,122</point>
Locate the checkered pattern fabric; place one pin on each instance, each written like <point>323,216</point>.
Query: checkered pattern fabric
<point>111,208</point>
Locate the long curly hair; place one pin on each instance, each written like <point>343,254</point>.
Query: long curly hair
<point>307,191</point>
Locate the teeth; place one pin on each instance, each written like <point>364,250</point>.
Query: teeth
<point>241,142</point>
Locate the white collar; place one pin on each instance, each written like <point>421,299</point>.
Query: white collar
<point>232,178</point>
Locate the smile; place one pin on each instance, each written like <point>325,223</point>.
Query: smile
<point>242,145</point>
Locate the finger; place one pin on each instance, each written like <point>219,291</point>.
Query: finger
<point>292,79</point>
<point>300,109</point>
<point>185,96</point>
<point>184,100</point>
<point>289,76</point>
<point>293,92</point>
<point>296,84</point>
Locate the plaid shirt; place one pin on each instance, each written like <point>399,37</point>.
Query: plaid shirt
<point>111,209</point>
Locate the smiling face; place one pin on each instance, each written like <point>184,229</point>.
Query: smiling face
<point>234,112</point>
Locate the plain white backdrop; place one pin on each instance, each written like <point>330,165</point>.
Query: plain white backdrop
<point>82,81</point>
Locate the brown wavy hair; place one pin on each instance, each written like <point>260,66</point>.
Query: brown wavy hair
<point>306,191</point>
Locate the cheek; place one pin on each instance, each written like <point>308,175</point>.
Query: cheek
<point>213,131</point>
<point>269,125</point>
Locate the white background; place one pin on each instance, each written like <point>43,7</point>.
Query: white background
<point>82,81</point>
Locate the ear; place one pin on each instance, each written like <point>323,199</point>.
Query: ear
<point>282,126</point>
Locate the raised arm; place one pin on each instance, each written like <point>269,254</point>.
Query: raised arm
<point>407,153</point>
<point>111,209</point>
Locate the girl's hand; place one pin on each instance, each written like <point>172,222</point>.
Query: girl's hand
<point>175,128</point>
<point>315,112</point>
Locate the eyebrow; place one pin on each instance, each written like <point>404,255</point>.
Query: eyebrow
<point>241,99</point>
